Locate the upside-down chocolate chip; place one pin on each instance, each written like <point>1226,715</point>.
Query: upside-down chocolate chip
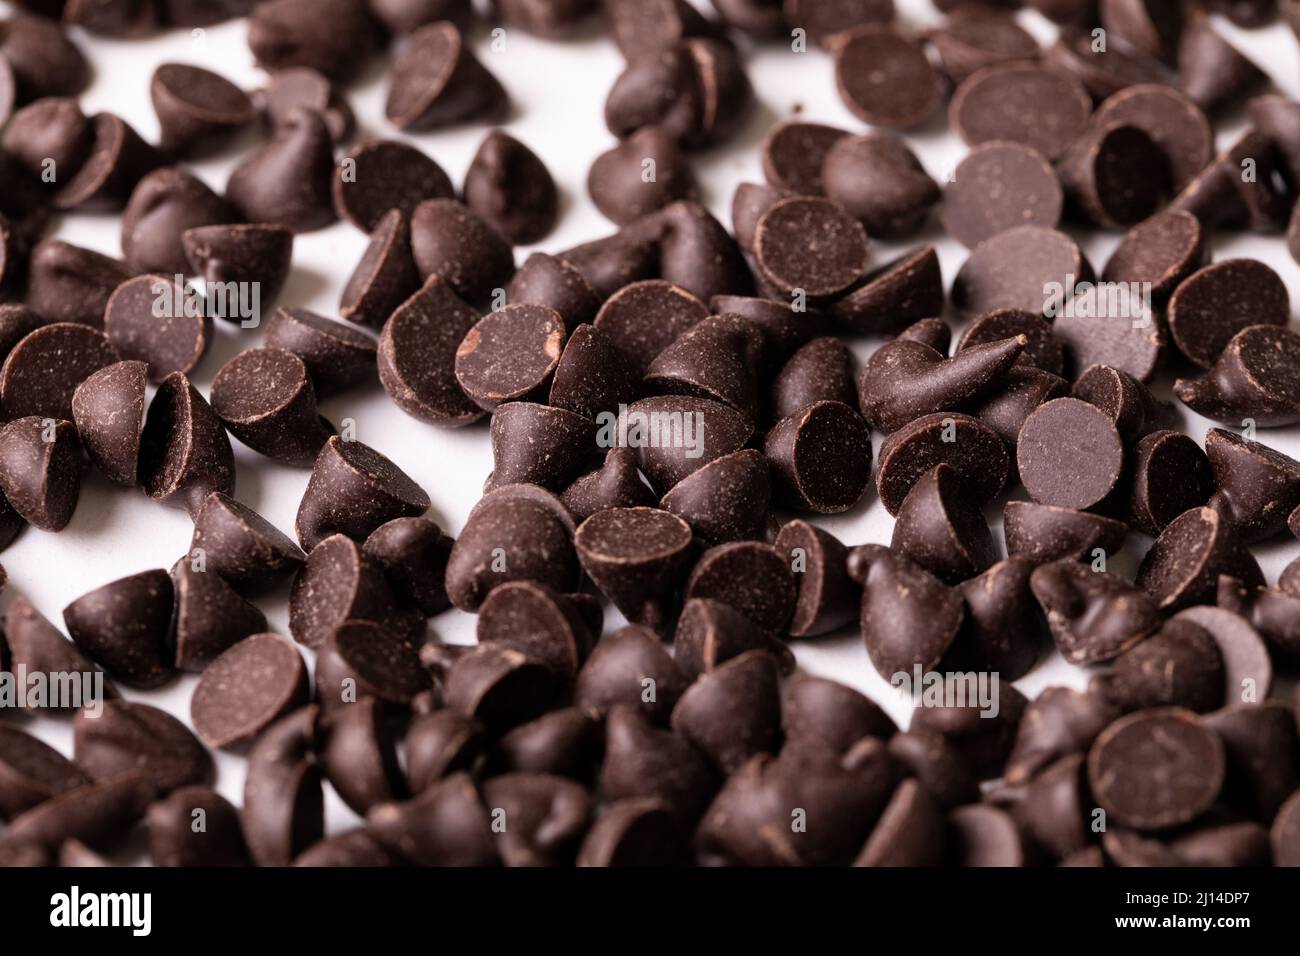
<point>1023,103</point>
<point>630,666</point>
<point>998,186</point>
<point>827,598</point>
<point>972,448</point>
<point>436,80</point>
<point>287,181</point>
<point>125,625</point>
<point>1069,454</point>
<point>185,454</point>
<point>637,557</point>
<point>1094,615</point>
<point>380,175</point>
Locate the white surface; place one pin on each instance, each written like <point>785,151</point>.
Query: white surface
<point>558,92</point>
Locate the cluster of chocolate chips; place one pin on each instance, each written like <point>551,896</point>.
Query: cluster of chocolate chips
<point>656,399</point>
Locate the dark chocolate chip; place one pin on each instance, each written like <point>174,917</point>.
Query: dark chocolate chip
<point>1130,404</point>
<point>733,711</point>
<point>125,625</point>
<point>607,265</point>
<point>362,659</point>
<point>185,454</point>
<point>158,321</point>
<point>1253,378</point>
<point>810,245</point>
<point>539,444</point>
<point>896,294</point>
<point>66,283</point>
<point>301,87</point>
<point>128,737</point>
<point>1030,268</point>
<point>726,499</point>
<point>1163,251</point>
<point>1247,667</point>
<point>40,470</point>
<point>1152,27</point>
<point>1260,744</point>
<point>884,78</point>
<point>1024,389</point>
<point>639,175</point>
<point>635,833</point>
<point>449,240</point>
<point>287,181</point>
<point>359,754</point>
<point>1101,169</point>
<point>249,255</point>
<point>974,37</point>
<point>413,553</point>
<point>748,204</point>
<point>616,484</point>
<point>1069,454</point>
<point>824,21</point>
<point>380,175</point>
<point>163,205</point>
<point>1256,486</point>
<point>265,397</point>
<point>793,155</point>
<point>1023,103</point>
<point>645,761</point>
<point>246,689</point>
<point>937,764</point>
<point>972,448</point>
<point>337,355</point>
<point>827,598</point>
<point>1170,118</point>
<point>1211,306</point>
<point>436,81</point>
<point>196,108</point>
<point>38,647</point>
<point>334,37</point>
<point>32,772</point>
<point>1223,196</point>
<point>538,623</point>
<point>1043,533</point>
<point>175,840</point>
<point>630,666</point>
<point>51,134</point>
<point>881,183</point>
<point>511,188</point>
<point>1178,666</point>
<point>1094,615</point>
<point>998,186</point>
<point>43,370</point>
<point>637,557</point>
<point>338,583</point>
<point>942,528</point>
<point>1170,474</point>
<point>499,687</point>
<point>1211,71</point>
<point>118,160</point>
<point>644,318</point>
<point>983,731</point>
<point>96,814</point>
<point>1183,566</point>
<point>241,546</point>
<point>822,712</point>
<point>821,370</point>
<point>555,283</point>
<point>209,617</point>
<point>353,490</point>
<point>752,577</point>
<point>695,250</point>
<point>1058,722</point>
<point>284,804</point>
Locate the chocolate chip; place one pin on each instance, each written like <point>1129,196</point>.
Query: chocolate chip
<point>905,380</point>
<point>96,814</point>
<point>822,712</point>
<point>49,133</point>
<point>246,689</point>
<point>1251,379</point>
<point>1178,666</point>
<point>1278,118</point>
<point>125,625</point>
<point>1023,389</point>
<point>733,711</point>
<point>634,833</point>
<point>196,108</point>
<point>1043,349</point>
<point>884,78</point>
<point>1152,27</point>
<point>449,240</point>
<point>1270,611</point>
<point>660,88</point>
<point>984,733</point>
<point>1183,566</point>
<point>974,37</point>
<point>123,19</point>
<point>726,499</point>
<point>1094,615</point>
<point>639,175</point>
<point>607,265</point>
<point>793,155</point>
<point>998,186</point>
<point>385,277</point>
<point>511,188</point>
<point>644,318</point>
<point>436,81</point>
<point>40,470</point>
<point>337,583</point>
<point>1057,723</point>
<point>1256,485</point>
<point>283,800</point>
<point>1247,668</point>
<point>909,832</point>
<point>247,255</point>
<point>881,183</point>
<point>265,397</point>
<point>1221,196</point>
<point>209,617</point>
<point>1156,768</point>
<point>1211,71</point>
<point>710,633</point>
<point>539,444</point>
<point>380,175</point>
<point>118,160</point>
<point>695,250</point>
<point>37,646</point>
<point>937,764</point>
<point>334,37</point>
<point>129,737</point>
<point>546,817</point>
<point>972,448</point>
<point>1069,454</point>
<point>163,205</point>
<point>810,245</point>
<point>301,87</point>
<point>1163,251</point>
<point>1171,119</point>
<point>362,659</point>
<point>630,666</point>
<point>43,370</point>
<point>32,772</point>
<point>413,553</point>
<point>353,490</point>
<point>1023,103</point>
<point>563,742</point>
<point>894,295</point>
<point>1211,306</point>
<point>287,181</point>
<point>440,744</point>
<point>1113,326</point>
<point>337,355</point>
<point>827,598</point>
<point>175,841</point>
<point>360,755</point>
<point>941,528</point>
<point>752,577</point>
<point>748,204</point>
<point>66,283</point>
<point>1130,404</point>
<point>616,484</point>
<point>538,623</point>
<point>499,687</point>
<point>446,825</point>
<point>637,557</point>
<point>644,761</point>
<point>185,454</point>
<point>555,283</point>
<point>1170,474</point>
<point>156,320</point>
<point>1100,170</point>
<point>1043,533</point>
<point>1259,742</point>
<point>241,546</point>
<point>1030,268</point>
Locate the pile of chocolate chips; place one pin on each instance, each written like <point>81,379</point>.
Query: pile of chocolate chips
<point>683,736</point>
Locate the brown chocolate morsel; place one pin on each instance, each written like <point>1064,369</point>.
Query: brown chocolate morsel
<point>353,490</point>
<point>1182,567</point>
<point>908,617</point>
<point>283,810</point>
<point>1003,629</point>
<point>1021,103</point>
<point>158,321</point>
<point>359,755</point>
<point>1170,474</point>
<point>1129,403</point>
<point>725,94</point>
<point>1178,666</point>
<point>822,712</point>
<point>247,688</point>
<point>499,687</point>
<point>715,358</point>
<point>445,825</point>
<point>96,814</point>
<point>539,444</point>
<point>163,205</point>
<point>984,732</point>
<point>36,645</point>
<point>333,37</point>
<point>44,60</point>
<point>1050,810</point>
<point>287,181</point>
<point>241,546</point>
<point>594,375</point>
<point>821,370</point>
<point>174,840</point>
<point>638,558</point>
<point>616,484</point>
<point>196,108</point>
<point>380,175</point>
<point>125,625</point>
<point>642,760</point>
<point>881,183</point>
<point>1231,844</point>
<point>40,470</point>
<point>439,744</point>
<point>1170,118</point>
<point>894,295</point>
<point>1211,71</point>
<point>695,250</point>
<point>449,240</point>
<point>941,527</point>
<point>366,659</point>
<point>1278,118</point>
<point>355,848</point>
<point>1157,768</point>
<point>972,448</point>
<point>32,772</point>
<point>210,616</point>
<point>537,622</point>
<point>733,711</point>
<point>644,318</point>
<point>133,737</point>
<point>1024,389</point>
<point>709,633</point>
<point>1273,612</point>
<point>1031,268</point>
<point>108,410</point>
<point>884,78</point>
<point>249,254</point>
<point>564,742</point>
<point>607,265</point>
<point>810,245</point>
<point>301,87</point>
<point>385,277</point>
<point>1252,378</point>
<point>511,539</point>
<point>1069,454</point>
<point>820,458</point>
<point>44,368</point>
<point>1057,723</point>
<point>511,188</point>
<point>998,186</point>
<point>726,500</point>
<point>933,332</point>
<point>657,88</point>
<point>748,203</point>
<point>1220,196</point>
<point>630,666</point>
<point>49,133</point>
<point>718,430</point>
<point>1113,326</point>
<point>546,817</point>
<point>1162,250</point>
<point>436,81</point>
<point>1257,487</point>
<point>185,454</point>
<point>338,583</point>
<point>1152,27</point>
<point>905,380</point>
<point>555,283</point>
<point>66,283</point>
<point>794,154</point>
<point>937,764</point>
<point>974,37</point>
<point>635,833</point>
<point>265,397</point>
<point>413,553</point>
<point>1094,615</point>
<point>118,160</point>
<point>337,355</point>
<point>639,175</point>
<point>1101,169</point>
<point>827,598</point>
<point>1213,305</point>
<point>784,327</point>
<point>1247,667</point>
<point>750,576</point>
<point>909,832</point>
<point>1260,744</point>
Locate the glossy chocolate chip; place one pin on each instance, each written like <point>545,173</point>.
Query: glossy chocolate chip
<point>436,80</point>
<point>1093,615</point>
<point>942,528</point>
<point>998,186</point>
<point>125,625</point>
<point>1023,103</point>
<point>380,175</point>
<point>827,598</point>
<point>250,255</point>
<point>185,454</point>
<point>287,181</point>
<point>1183,566</point>
<point>972,448</point>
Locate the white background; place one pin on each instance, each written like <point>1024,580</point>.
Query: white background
<point>558,91</point>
